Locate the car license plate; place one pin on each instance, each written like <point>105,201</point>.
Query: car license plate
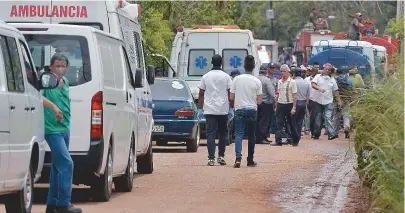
<point>158,128</point>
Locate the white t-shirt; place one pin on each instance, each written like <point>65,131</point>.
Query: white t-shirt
<point>328,84</point>
<point>284,92</point>
<point>246,88</point>
<point>216,84</point>
<point>311,91</point>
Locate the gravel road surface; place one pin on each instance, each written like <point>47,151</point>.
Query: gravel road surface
<point>316,176</point>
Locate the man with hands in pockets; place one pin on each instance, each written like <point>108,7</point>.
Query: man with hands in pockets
<point>214,103</point>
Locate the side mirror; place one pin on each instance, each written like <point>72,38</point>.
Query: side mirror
<point>138,78</point>
<point>151,74</point>
<point>48,80</point>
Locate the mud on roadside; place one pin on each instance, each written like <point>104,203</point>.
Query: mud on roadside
<point>330,187</point>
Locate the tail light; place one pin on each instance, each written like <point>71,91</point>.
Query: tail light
<point>96,131</point>
<point>184,111</point>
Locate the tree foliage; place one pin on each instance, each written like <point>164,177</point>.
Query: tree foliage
<point>160,19</point>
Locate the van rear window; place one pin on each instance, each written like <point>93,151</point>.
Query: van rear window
<point>199,61</point>
<point>75,48</point>
<point>233,60</point>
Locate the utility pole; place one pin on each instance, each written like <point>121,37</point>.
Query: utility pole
<point>271,23</point>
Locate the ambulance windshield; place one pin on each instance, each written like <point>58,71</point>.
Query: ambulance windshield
<point>75,48</point>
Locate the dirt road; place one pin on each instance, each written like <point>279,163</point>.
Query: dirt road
<point>316,176</point>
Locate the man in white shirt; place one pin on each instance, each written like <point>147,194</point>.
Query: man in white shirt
<point>286,107</point>
<point>246,91</point>
<point>325,86</point>
<point>311,119</point>
<point>214,104</point>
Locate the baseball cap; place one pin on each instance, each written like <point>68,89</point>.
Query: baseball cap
<point>298,71</point>
<point>263,67</point>
<point>272,65</point>
<point>235,72</point>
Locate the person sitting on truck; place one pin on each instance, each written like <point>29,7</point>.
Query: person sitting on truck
<point>313,17</point>
<point>355,27</point>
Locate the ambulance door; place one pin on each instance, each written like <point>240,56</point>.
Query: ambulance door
<point>200,48</point>
<point>26,11</point>
<point>86,13</point>
<point>234,47</point>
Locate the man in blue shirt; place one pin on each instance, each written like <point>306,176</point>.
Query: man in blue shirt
<point>346,92</point>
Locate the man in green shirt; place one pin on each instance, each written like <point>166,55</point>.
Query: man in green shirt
<point>57,134</point>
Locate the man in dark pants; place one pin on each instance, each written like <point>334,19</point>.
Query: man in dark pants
<point>265,109</point>
<point>246,90</point>
<point>213,102</point>
<point>286,106</point>
<point>303,88</point>
<point>311,108</point>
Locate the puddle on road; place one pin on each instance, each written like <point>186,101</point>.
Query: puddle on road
<point>325,194</point>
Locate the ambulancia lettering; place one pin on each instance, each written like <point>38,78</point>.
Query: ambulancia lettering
<point>46,11</point>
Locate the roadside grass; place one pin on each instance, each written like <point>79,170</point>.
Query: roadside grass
<point>378,117</point>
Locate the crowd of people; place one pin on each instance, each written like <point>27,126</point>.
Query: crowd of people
<point>287,101</point>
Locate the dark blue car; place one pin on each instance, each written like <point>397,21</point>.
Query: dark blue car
<point>174,113</point>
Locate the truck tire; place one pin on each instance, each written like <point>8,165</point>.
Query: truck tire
<point>193,144</point>
<point>145,162</point>
<point>125,182</point>
<point>21,201</point>
<point>101,188</point>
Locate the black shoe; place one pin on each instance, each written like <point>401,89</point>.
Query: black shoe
<point>267,140</point>
<point>276,144</point>
<point>294,144</point>
<point>262,142</point>
<point>347,134</point>
<point>50,209</point>
<point>237,163</point>
<point>251,163</point>
<point>69,209</point>
<point>316,138</point>
<point>333,137</point>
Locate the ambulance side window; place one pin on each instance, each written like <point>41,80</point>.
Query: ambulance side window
<point>138,46</point>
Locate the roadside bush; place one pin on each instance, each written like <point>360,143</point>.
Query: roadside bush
<point>378,115</point>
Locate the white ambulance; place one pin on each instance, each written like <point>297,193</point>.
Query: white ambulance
<point>119,19</point>
<point>200,43</point>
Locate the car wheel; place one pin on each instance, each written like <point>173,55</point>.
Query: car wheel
<point>125,182</point>
<point>21,201</point>
<point>145,162</point>
<point>101,188</point>
<point>193,144</point>
<point>162,142</point>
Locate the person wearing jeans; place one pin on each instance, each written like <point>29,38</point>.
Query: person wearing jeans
<point>286,107</point>
<point>246,91</point>
<point>324,86</point>
<point>57,132</point>
<point>213,101</point>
